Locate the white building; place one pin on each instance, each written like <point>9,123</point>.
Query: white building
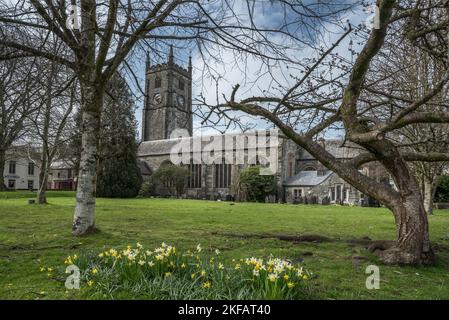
<point>21,171</point>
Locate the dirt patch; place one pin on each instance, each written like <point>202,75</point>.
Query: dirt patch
<point>284,237</point>
<point>362,241</point>
<point>370,245</point>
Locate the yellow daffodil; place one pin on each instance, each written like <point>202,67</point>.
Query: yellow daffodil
<point>49,269</point>
<point>272,277</point>
<point>192,276</point>
<point>237,266</point>
<point>151,263</point>
<point>203,273</point>
<point>42,269</point>
<point>168,274</point>
<point>206,285</point>
<point>220,266</point>
<point>290,284</point>
<point>217,252</point>
<point>90,283</point>
<point>101,255</point>
<point>94,271</point>
<point>198,248</point>
<point>141,262</point>
<point>286,277</point>
<point>183,265</point>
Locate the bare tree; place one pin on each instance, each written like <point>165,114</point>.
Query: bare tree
<point>408,72</point>
<point>419,72</point>
<point>51,123</point>
<point>314,105</point>
<point>17,85</point>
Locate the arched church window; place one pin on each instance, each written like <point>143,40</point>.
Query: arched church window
<point>309,168</point>
<point>158,82</point>
<point>181,84</point>
<point>222,175</point>
<point>194,176</point>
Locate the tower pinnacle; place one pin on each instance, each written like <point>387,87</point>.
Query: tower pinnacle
<point>148,62</point>
<point>171,59</point>
<point>190,64</point>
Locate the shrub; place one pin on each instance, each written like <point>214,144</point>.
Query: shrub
<point>254,186</point>
<point>442,192</point>
<point>168,179</point>
<point>165,273</point>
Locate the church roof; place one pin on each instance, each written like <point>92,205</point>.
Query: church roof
<point>307,178</point>
<point>348,151</point>
<point>164,147</point>
<point>157,147</point>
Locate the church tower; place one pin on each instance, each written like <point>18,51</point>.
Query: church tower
<point>168,99</point>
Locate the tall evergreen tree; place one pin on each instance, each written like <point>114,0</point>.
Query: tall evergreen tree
<point>118,173</point>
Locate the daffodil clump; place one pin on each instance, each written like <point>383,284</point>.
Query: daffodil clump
<point>275,277</point>
<point>166,273</point>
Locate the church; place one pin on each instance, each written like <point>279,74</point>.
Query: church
<point>300,178</point>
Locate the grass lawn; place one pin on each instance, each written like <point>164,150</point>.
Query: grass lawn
<point>32,236</point>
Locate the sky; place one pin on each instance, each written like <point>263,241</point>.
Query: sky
<point>232,74</point>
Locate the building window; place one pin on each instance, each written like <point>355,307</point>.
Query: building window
<point>222,175</point>
<point>158,83</point>
<point>181,84</point>
<point>30,184</point>
<point>332,193</point>
<point>12,167</point>
<point>290,168</point>
<point>11,184</point>
<point>31,169</point>
<point>297,193</point>
<point>338,192</point>
<point>69,173</point>
<point>195,176</point>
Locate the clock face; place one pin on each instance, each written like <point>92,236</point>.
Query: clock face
<point>157,98</point>
<point>180,100</point>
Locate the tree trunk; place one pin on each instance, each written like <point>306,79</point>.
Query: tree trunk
<point>43,180</point>
<point>428,196</point>
<point>41,197</point>
<point>84,218</point>
<point>412,246</point>
<point>413,243</point>
<point>2,170</point>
